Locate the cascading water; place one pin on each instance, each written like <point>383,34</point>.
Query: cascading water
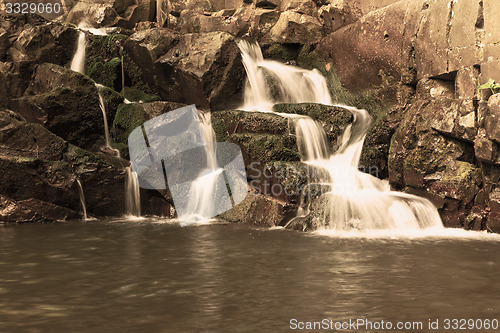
<point>100,87</point>
<point>78,62</point>
<point>201,202</point>
<point>82,199</point>
<point>356,200</point>
<point>132,194</point>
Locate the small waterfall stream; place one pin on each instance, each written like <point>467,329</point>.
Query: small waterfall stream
<point>82,199</point>
<point>201,205</point>
<point>104,115</point>
<point>132,194</point>
<point>78,62</point>
<point>356,200</point>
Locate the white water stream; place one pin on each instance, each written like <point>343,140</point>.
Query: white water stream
<point>356,200</point>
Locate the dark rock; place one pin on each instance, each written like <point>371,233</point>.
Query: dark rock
<point>13,211</point>
<point>333,119</point>
<point>226,123</point>
<point>20,138</point>
<point>493,223</point>
<point>264,148</point>
<point>129,116</point>
<point>95,13</point>
<point>492,120</point>
<point>460,181</point>
<point>261,210</point>
<point>206,70</point>
<point>25,178</point>
<point>417,150</point>
<point>486,150</point>
<point>67,103</point>
<point>435,89</point>
<point>192,21</point>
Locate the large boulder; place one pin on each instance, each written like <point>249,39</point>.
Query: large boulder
<point>410,41</point>
<point>31,40</point>
<point>191,21</point>
<point>492,120</point>
<point>39,171</point>
<point>200,68</point>
<point>130,116</point>
<point>368,50</point>
<point>294,27</point>
<point>54,99</point>
<point>333,119</point>
<point>261,210</point>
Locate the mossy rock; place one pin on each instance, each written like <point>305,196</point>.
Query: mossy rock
<point>282,52</point>
<point>107,73</point>
<point>106,47</point>
<point>229,122</point>
<point>128,117</point>
<point>136,95</point>
<point>333,119</point>
<point>265,148</point>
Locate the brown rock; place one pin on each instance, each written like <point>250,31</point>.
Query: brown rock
<point>261,210</point>
<point>492,120</point>
<point>368,50</point>
<point>293,27</point>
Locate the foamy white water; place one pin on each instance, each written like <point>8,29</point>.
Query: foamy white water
<point>132,195</point>
<point>357,201</point>
<point>201,203</point>
<point>78,61</point>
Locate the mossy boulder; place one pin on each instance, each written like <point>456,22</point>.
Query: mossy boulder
<point>226,123</point>
<point>333,119</point>
<point>107,73</point>
<point>460,181</point>
<point>38,172</point>
<point>130,116</point>
<point>67,103</point>
<point>264,148</point>
<point>283,180</point>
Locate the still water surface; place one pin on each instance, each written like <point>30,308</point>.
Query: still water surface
<point>147,276</point>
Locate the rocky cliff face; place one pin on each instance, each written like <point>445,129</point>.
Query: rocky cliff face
<point>414,64</point>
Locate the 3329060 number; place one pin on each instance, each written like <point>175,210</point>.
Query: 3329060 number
<point>32,8</point>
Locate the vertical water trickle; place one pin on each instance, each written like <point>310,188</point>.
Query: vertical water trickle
<point>132,194</point>
<point>78,62</point>
<point>162,12</point>
<point>123,74</point>
<point>82,199</point>
<point>356,200</point>
<point>104,114</point>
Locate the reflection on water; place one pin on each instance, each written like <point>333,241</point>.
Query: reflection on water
<point>146,276</point>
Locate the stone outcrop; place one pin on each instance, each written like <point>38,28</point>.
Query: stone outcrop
<point>198,68</point>
<point>67,103</point>
<point>39,172</point>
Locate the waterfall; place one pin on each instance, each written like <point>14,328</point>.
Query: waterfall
<point>104,115</point>
<point>82,199</point>
<point>356,200</point>
<point>200,206</point>
<point>132,194</point>
<point>78,62</point>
